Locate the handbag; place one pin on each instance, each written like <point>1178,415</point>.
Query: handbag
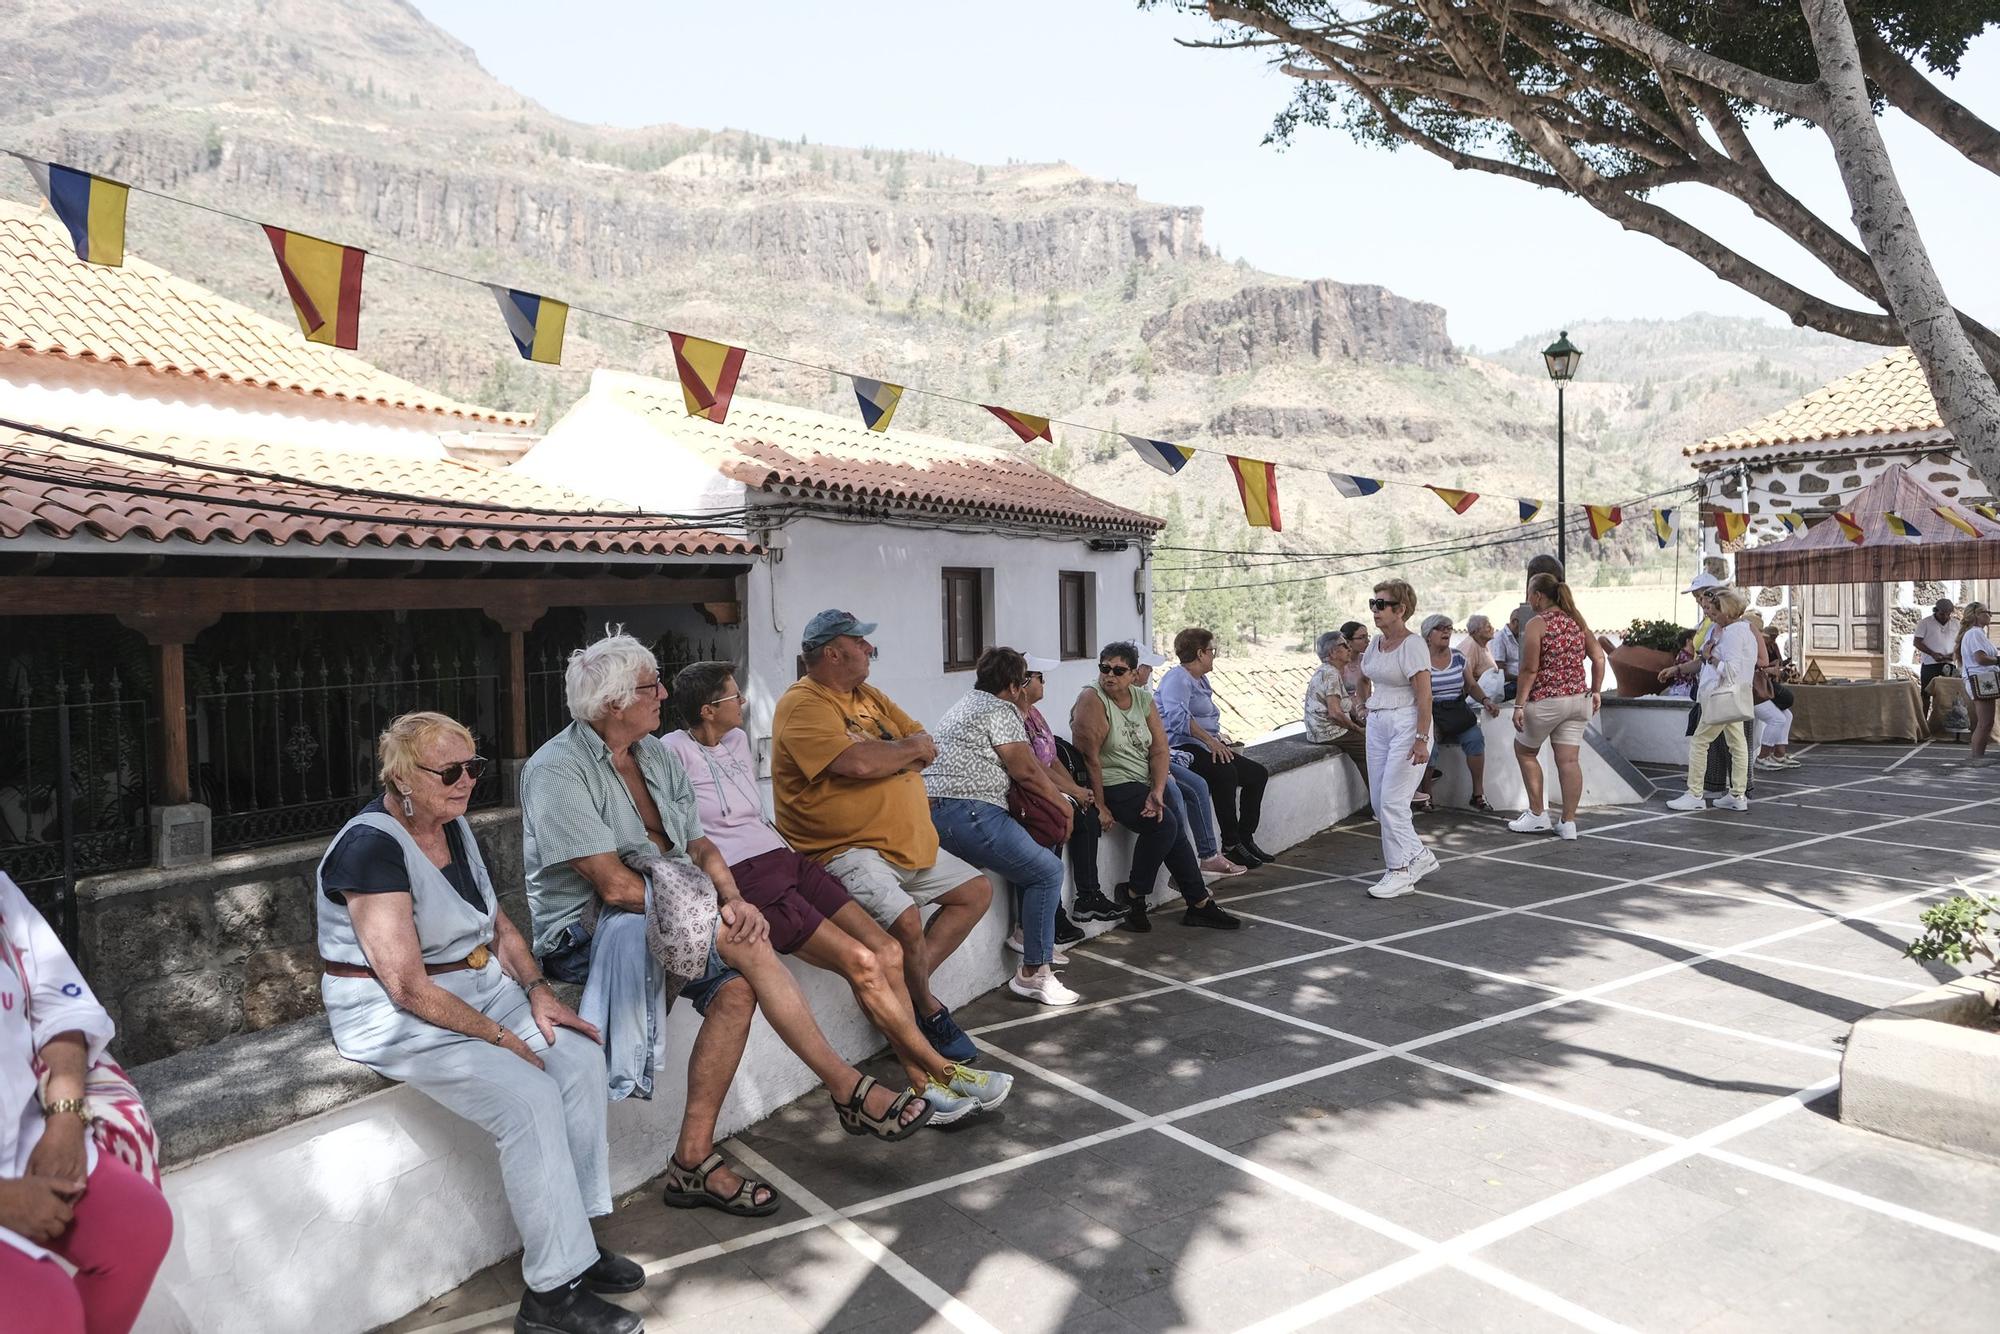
<point>1042,818</point>
<point>1727,699</point>
<point>1983,683</point>
<point>681,916</point>
<point>1452,717</point>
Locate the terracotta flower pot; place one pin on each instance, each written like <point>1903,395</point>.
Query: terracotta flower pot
<point>1637,670</point>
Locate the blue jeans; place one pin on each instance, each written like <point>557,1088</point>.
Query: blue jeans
<point>622,997</point>
<point>1188,794</point>
<point>986,836</point>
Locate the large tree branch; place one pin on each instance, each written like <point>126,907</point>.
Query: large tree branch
<point>1924,102</point>
<point>1800,100</point>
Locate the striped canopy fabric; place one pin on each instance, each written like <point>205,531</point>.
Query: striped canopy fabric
<point>1822,555</point>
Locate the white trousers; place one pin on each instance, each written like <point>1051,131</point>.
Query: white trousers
<point>1392,781</point>
<point>1777,724</point>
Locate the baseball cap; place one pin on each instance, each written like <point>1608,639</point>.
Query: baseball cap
<point>1703,581</point>
<point>1046,666</point>
<point>1148,658</point>
<point>831,625</point>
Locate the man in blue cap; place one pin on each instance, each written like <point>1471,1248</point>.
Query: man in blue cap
<point>845,766</point>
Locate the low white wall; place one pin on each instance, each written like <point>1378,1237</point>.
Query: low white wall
<point>1648,730</point>
<point>1607,779</point>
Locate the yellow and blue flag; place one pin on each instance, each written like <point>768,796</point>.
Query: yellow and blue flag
<point>1529,509</point>
<point>90,207</point>
<point>536,322</point>
<point>878,399</point>
<point>1666,527</point>
<point>1257,486</point>
<point>1989,513</point>
<point>1168,457</point>
<point>708,374</point>
<point>1354,487</point>
<point>1899,526</point>
<point>1791,521</point>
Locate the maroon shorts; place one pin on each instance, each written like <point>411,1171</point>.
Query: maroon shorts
<point>794,894</point>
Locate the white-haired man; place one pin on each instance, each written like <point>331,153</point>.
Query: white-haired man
<point>605,789</point>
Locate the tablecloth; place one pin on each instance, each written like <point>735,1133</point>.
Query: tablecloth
<point>1858,711</point>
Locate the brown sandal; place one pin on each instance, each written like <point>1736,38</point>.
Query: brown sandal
<point>687,1188</point>
<point>855,1120</point>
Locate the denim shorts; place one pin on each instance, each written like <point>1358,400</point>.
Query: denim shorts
<point>570,962</point>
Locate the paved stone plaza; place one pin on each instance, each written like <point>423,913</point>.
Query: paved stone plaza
<point>1584,1083</point>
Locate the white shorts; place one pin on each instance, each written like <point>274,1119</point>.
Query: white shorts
<point>886,891</point>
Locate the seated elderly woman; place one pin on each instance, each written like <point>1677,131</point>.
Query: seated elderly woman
<point>1329,712</point>
<point>429,983</point>
<point>1454,722</point>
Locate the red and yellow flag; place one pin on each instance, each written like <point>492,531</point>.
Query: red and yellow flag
<point>324,281</point>
<point>708,374</point>
<point>1460,501</point>
<point>1850,528</point>
<point>1603,518</point>
<point>1026,425</point>
<point>1731,525</point>
<point>1257,484</point>
<point>1955,519</point>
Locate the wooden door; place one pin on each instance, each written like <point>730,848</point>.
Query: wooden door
<point>1844,630</point>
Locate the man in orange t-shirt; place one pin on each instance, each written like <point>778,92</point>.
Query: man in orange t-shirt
<point>845,765</point>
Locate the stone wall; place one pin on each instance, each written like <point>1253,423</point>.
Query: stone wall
<point>186,957</point>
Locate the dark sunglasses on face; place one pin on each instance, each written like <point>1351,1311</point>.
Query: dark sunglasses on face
<point>451,773</point>
<point>1112,669</point>
<point>1382,604</point>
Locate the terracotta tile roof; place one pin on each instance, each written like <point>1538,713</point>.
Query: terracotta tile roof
<point>1261,699</point>
<point>786,450</point>
<point>54,304</point>
<point>1887,397</point>
<point>63,490</point>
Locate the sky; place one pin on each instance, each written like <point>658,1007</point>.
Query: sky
<point>1105,87</point>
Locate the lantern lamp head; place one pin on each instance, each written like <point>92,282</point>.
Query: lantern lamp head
<point>1562,356</point>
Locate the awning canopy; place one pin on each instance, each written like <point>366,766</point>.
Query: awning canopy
<point>1823,554</point>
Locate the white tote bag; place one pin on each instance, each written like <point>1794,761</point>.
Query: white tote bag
<point>1727,699</point>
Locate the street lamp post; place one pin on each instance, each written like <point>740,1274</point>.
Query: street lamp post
<point>1561,357</point>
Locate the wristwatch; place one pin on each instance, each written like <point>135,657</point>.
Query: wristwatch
<point>72,1106</point>
<point>529,989</point>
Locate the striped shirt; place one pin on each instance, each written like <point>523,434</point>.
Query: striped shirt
<point>1448,682</point>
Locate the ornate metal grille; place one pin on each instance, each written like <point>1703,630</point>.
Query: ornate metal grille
<point>548,705</point>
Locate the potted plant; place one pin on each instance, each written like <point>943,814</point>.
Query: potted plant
<point>1636,663</point>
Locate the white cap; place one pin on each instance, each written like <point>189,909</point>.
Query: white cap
<point>1148,658</point>
<point>1046,666</point>
<point>1705,580</point>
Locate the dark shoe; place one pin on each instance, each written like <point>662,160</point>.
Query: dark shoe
<point>1135,910</point>
<point>1092,906</point>
<point>1067,932</point>
<point>1249,845</point>
<point>573,1309</point>
<point>614,1273</point>
<point>1210,914</point>
<point>947,1039</point>
<point>1244,856</point>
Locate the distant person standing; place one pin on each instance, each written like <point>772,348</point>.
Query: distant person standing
<point>1396,687</point>
<point>1976,654</point>
<point>1936,642</point>
<point>1556,703</point>
<point>1507,649</point>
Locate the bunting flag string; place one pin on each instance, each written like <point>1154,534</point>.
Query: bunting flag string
<point>1603,518</point>
<point>1731,524</point>
<point>1026,425</point>
<point>708,374</point>
<point>537,323</point>
<point>1989,513</point>
<point>1666,526</point>
<point>1168,458</point>
<point>878,401</point>
<point>1459,501</point>
<point>1955,519</point>
<point>1791,521</point>
<point>1354,487</point>
<point>1257,486</point>
<point>1850,529</point>
<point>91,208</point>
<point>323,278</point>
<point>1529,509</point>
<point>1899,526</point>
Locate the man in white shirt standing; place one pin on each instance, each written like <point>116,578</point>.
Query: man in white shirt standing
<point>1935,641</point>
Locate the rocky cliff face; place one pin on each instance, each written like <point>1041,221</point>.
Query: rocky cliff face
<point>1251,419</point>
<point>1322,321</point>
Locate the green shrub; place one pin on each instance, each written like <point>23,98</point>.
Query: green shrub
<point>1662,635</point>
<point>1957,931</point>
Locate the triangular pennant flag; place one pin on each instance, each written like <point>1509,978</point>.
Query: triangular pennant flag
<point>1603,518</point>
<point>1955,519</point>
<point>878,400</point>
<point>1460,501</point>
<point>1029,427</point>
<point>323,279</point>
<point>1987,512</point>
<point>90,207</point>
<point>1666,526</point>
<point>1529,509</point>
<point>1791,522</point>
<point>537,323</point>
<point>1731,524</point>
<point>1899,526</point>
<point>1354,487</point>
<point>1169,458</point>
<point>1257,485</point>
<point>708,374</point>
<point>1849,528</point>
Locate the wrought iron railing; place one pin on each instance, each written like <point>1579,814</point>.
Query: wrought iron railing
<point>281,752</point>
<point>548,705</point>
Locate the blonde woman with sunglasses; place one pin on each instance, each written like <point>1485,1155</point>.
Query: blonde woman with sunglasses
<point>1396,690</point>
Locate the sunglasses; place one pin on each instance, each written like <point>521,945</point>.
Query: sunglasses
<point>880,730</point>
<point>724,699</point>
<point>1382,604</point>
<point>1112,669</point>
<point>457,769</point>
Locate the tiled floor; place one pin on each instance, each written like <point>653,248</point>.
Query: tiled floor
<point>1581,1083</point>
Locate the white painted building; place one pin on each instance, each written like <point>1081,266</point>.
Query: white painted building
<point>951,547</point>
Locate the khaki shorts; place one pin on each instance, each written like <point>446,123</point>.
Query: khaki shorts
<point>886,891</point>
<point>1560,718</point>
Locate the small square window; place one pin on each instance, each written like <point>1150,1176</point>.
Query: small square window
<point>1074,630</point>
<point>964,618</point>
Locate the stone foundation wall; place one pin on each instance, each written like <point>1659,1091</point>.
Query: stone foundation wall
<point>186,957</point>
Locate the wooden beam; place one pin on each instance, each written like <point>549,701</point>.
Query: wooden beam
<point>170,686</point>
<point>202,596</point>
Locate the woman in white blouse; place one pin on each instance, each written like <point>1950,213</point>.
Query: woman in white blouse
<point>58,1195</point>
<point>1976,654</point>
<point>1396,690</point>
<point>1732,648</point>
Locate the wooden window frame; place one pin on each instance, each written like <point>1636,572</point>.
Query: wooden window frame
<point>1083,584</point>
<point>975,608</point>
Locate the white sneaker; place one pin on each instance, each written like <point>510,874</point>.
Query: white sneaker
<point>1766,762</point>
<point>1422,865</point>
<point>1732,803</point>
<point>1531,822</point>
<point>1790,762</point>
<point>1222,866</point>
<point>1393,885</point>
<point>1566,829</point>
<point>1016,944</point>
<point>1690,801</point>
<point>1044,988</point>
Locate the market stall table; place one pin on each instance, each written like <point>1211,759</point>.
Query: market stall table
<point>1858,711</point>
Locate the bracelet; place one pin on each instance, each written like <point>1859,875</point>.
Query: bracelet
<point>499,1038</point>
<point>529,989</point>
<point>71,1106</point>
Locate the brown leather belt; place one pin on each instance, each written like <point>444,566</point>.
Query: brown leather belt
<point>476,960</point>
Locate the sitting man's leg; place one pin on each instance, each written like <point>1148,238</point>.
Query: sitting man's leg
<point>726,1004</point>
<point>891,895</point>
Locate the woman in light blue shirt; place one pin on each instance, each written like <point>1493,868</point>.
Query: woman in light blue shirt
<point>1186,701</point>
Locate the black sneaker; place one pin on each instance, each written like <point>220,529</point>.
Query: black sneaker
<point>1249,845</point>
<point>947,1039</point>
<point>1067,932</point>
<point>1210,914</point>
<point>1135,910</point>
<point>1092,906</point>
<point>573,1309</point>
<point>613,1273</point>
<point>1242,855</point>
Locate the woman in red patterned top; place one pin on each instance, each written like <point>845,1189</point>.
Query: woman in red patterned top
<point>1554,702</point>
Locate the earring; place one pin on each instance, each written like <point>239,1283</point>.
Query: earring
<point>409,807</point>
